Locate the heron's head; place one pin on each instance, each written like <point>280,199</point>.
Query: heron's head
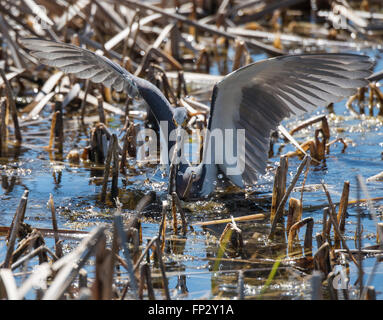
<point>189,181</point>
<point>180,117</point>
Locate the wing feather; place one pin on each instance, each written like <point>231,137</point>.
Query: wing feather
<point>82,63</point>
<point>259,96</point>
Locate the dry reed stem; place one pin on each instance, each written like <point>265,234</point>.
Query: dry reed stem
<point>162,229</point>
<point>48,232</point>
<point>108,95</point>
<point>12,105</point>
<point>8,287</point>
<point>145,276</point>
<point>18,218</point>
<point>379,96</point>
<point>319,150</point>
<point>350,101</point>
<point>316,286</point>
<point>162,268</point>
<point>143,254</point>
<point>69,266</point>
<point>52,131</point>
<point>332,215</point>
<point>311,121</point>
<point>42,271</point>
<point>239,51</point>
<point>358,235</point>
<point>341,218</point>
<point>45,94</point>
<point>371,100</point>
<point>38,106</point>
<point>304,180</point>
<point>135,20</point>
<point>128,146</point>
<point>112,146</point>
<point>181,85</point>
<point>115,20</point>
<point>282,203</point>
<point>114,192</point>
<point>135,37</point>
<point>294,213</point>
<point>333,293</point>
<point>207,28</point>
<point>203,57</point>
<point>33,239</point>
<point>102,286</point>
<point>279,187</point>
<point>341,140</point>
<point>250,217</point>
<point>3,125</point>
<point>241,285</point>
<point>160,53</point>
<point>379,230</point>
<point>372,212</point>
<point>118,222</point>
<point>177,202</point>
<point>322,259</point>
<point>174,215</point>
<point>100,105</point>
<point>58,246</point>
<point>308,236</point>
<point>82,279</point>
<point>370,294</point>
<point>29,256</point>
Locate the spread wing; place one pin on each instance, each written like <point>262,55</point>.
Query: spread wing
<point>259,96</point>
<point>83,63</point>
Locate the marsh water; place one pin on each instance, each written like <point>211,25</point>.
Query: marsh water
<point>193,267</point>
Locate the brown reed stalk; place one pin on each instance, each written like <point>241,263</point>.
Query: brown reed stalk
<point>341,218</point>
<point>108,161</point>
<point>279,188</point>
<point>100,108</point>
<point>58,246</point>
<point>12,105</point>
<point>18,218</point>
<point>279,211</point>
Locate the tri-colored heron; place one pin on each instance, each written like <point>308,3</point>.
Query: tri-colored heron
<point>255,98</point>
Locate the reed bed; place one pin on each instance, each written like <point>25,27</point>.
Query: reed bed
<point>183,47</point>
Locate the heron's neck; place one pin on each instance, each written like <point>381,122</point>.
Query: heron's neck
<point>157,102</point>
<point>159,106</point>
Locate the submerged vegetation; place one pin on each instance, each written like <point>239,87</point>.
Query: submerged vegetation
<point>82,217</point>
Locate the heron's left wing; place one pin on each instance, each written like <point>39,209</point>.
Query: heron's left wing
<point>259,96</point>
<point>83,63</point>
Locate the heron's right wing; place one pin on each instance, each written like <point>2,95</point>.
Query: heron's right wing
<point>259,96</point>
<point>83,63</point>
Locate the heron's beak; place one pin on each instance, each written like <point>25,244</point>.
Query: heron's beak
<point>179,134</point>
<point>178,145</point>
<point>184,125</point>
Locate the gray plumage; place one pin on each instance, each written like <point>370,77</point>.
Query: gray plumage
<point>84,64</point>
<point>259,96</point>
<point>255,98</point>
